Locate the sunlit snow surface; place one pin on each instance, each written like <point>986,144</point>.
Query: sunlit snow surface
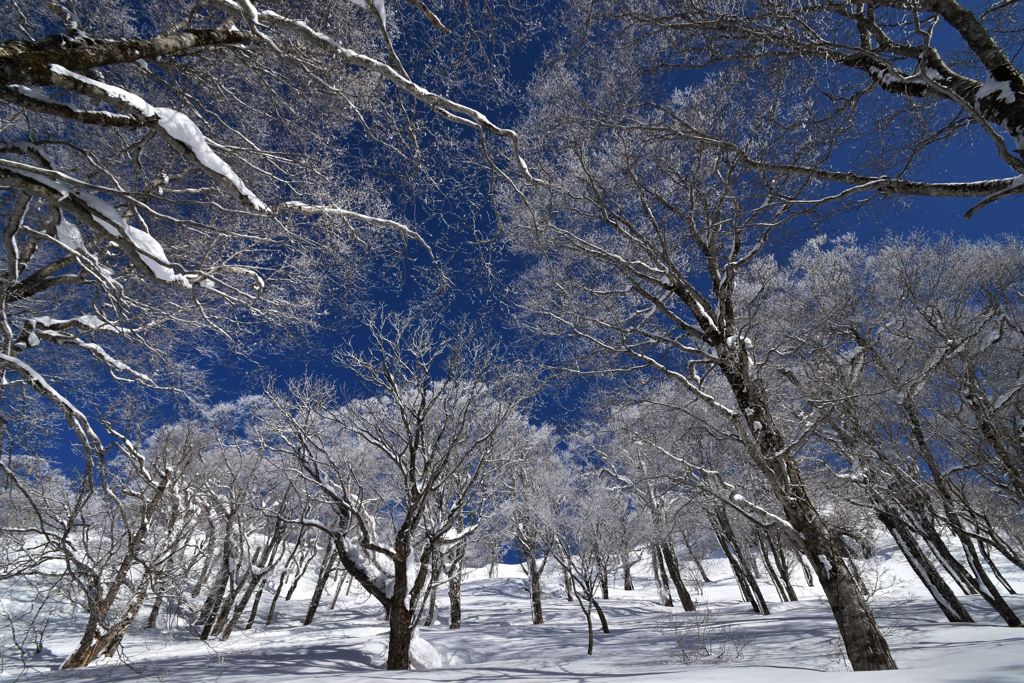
<point>797,642</point>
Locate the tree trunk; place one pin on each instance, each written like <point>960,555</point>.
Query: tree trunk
<point>567,584</point>
<point>673,571</point>
<point>400,621</point>
<point>323,576</point>
<point>255,605</point>
<point>211,607</point>
<point>770,570</point>
<point>986,553</point>
<point>661,576</point>
<point>154,613</point>
<point>981,581</point>
<point>744,578</point>
<point>737,571</point>
<point>535,590</point>
<point>779,554</point>
<point>204,574</point>
<point>808,570</point>
<point>455,600</point>
<point>431,607</point>
<point>940,591</point>
<point>601,617</point>
<point>769,451</point>
<point>84,654</point>
<point>627,574</point>
<point>277,594</point>
<point>236,615</point>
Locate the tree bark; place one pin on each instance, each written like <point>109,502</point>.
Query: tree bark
<point>323,576</point>
<point>627,574</point>
<point>865,645</point>
<point>770,570</point>
<point>255,605</point>
<point>661,576</point>
<point>779,554</point>
<point>673,571</point>
<point>940,591</point>
<point>738,561</point>
<point>601,617</point>
<point>567,584</point>
<point>277,594</point>
<point>535,590</point>
<point>401,630</point>
<point>154,613</point>
<point>455,600</point>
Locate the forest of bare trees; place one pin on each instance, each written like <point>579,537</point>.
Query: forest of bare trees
<point>591,284</point>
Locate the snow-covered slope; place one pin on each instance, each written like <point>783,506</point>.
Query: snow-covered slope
<point>797,642</point>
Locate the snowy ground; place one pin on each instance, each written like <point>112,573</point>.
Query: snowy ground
<point>797,642</point>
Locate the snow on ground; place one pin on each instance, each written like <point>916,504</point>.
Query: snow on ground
<point>797,642</point>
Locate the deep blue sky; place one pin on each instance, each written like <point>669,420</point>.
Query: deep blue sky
<point>966,160</point>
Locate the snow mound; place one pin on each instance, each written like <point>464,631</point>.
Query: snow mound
<point>423,655</point>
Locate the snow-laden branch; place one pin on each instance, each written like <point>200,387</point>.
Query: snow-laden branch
<point>175,125</point>
<point>95,210</point>
<point>76,419</point>
<point>728,493</point>
<point>348,215</point>
<point>442,105</point>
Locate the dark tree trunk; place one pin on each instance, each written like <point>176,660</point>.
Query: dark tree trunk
<point>770,570</point>
<point>590,632</point>
<point>980,579</point>
<point>567,584</point>
<point>431,607</point>
<point>673,571</point>
<point>940,591</point>
<point>323,576</point>
<point>779,554</point>
<point>960,575</point>
<point>661,577</point>
<point>627,574</point>
<point>455,600</point>
<point>154,613</point>
<point>211,607</point>
<point>737,570</point>
<point>239,610</point>
<point>400,621</point>
<point>601,617</point>
<point>535,590</point>
<point>337,589</point>
<point>747,583</point>
<point>272,610</point>
<point>255,605</point>
<point>986,553</point>
<point>807,569</point>
<point>204,574</point>
<point>770,452</point>
<point>304,563</point>
<point>227,602</point>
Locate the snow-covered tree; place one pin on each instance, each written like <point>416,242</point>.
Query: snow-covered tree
<point>641,236</point>
<point>403,474</point>
<point>168,173</point>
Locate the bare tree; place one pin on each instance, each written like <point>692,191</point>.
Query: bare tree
<point>894,82</point>
<point>640,236</point>
<point>402,473</point>
<point>169,174</point>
